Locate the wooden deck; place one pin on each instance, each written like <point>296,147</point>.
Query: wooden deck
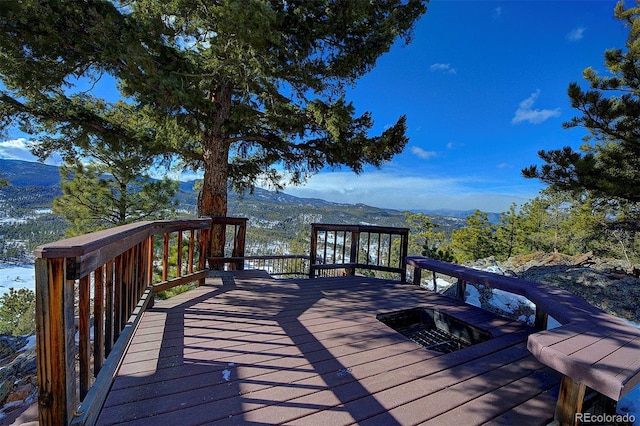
<point>249,349</point>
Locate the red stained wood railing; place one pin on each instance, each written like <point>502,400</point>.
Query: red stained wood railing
<point>347,248</point>
<point>110,274</point>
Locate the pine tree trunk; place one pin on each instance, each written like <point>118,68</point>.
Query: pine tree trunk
<point>213,198</point>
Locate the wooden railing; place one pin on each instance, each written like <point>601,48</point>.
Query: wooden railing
<point>109,276</point>
<point>347,248</point>
<point>591,348</point>
<point>561,305</point>
<point>234,232</point>
<point>286,266</point>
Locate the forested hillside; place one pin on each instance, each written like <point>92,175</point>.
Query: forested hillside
<point>555,221</point>
<point>26,220</point>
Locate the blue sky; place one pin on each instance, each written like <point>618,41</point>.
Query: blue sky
<point>484,87</point>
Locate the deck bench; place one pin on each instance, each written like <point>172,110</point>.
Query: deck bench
<point>590,349</point>
<point>601,352</point>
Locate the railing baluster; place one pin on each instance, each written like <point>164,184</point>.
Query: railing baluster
<point>165,257</point>
<point>191,249</point>
<point>84,326</point>
<point>179,261</point>
<point>98,321</point>
<point>109,308</point>
<point>368,248</point>
<point>117,298</point>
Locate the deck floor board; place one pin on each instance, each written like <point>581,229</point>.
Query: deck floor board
<point>248,349</point>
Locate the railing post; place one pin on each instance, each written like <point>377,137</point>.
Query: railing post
<point>203,244</point>
<point>461,288</point>
<point>404,252</point>
<point>55,334</point>
<point>541,319</point>
<point>417,276</point>
<point>239,243</point>
<point>217,237</point>
<point>355,249</point>
<point>313,250</point>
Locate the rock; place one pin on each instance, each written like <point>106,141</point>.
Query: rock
<point>9,345</point>
<point>18,382</point>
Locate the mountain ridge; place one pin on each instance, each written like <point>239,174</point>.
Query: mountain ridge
<point>26,173</point>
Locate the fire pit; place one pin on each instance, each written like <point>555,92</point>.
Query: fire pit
<point>433,329</point>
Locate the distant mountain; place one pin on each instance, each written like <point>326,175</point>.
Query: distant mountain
<point>26,173</point>
<point>265,209</point>
<point>462,214</point>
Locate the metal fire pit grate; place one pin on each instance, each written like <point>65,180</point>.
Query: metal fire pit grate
<point>433,338</point>
<point>434,330</point>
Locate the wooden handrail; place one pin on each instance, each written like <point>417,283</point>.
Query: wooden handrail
<point>336,246</point>
<point>220,225</point>
<point>560,304</point>
<point>112,272</point>
<point>591,348</point>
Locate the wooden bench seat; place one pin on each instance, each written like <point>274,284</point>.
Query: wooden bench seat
<point>591,349</point>
<point>604,355</point>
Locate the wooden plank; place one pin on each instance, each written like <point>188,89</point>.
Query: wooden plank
<point>180,281</point>
<point>593,356</point>
<point>89,410</point>
<point>508,397</point>
<point>55,336</point>
<point>84,326</point>
<point>282,345</point>
<point>99,320</point>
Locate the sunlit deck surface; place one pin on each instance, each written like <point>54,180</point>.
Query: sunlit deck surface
<point>249,349</point>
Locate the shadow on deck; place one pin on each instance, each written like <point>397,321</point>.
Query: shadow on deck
<point>248,349</point>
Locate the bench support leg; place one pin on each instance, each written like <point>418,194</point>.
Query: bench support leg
<point>570,400</point>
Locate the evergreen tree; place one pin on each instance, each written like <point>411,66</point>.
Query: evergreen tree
<point>536,225</point>
<point>609,164</point>
<point>509,234</point>
<point>17,312</point>
<point>239,89</point>
<point>475,240</point>
<point>92,199</point>
<point>585,224</point>
<point>114,186</point>
<point>424,239</point>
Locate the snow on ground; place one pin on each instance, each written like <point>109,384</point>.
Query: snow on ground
<point>22,276</point>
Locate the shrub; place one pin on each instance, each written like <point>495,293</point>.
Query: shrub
<point>18,312</point>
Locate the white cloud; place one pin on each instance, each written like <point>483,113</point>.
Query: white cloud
<point>497,12</point>
<point>419,152</point>
<point>525,111</point>
<point>389,190</point>
<point>576,34</point>
<point>16,149</point>
<point>505,166</point>
<point>445,68</point>
<point>19,149</point>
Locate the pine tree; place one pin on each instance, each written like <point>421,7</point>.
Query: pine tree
<point>509,233</point>
<point>474,241</point>
<point>17,312</point>
<point>242,90</point>
<point>609,161</point>
<point>96,196</point>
